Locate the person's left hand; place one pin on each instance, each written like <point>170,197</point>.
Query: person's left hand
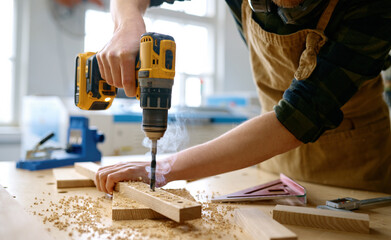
<point>107,177</point>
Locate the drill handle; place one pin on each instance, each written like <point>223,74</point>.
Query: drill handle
<point>95,76</point>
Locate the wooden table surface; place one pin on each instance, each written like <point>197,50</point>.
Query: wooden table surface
<point>37,193</point>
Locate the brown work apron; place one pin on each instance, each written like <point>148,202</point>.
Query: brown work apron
<point>357,154</point>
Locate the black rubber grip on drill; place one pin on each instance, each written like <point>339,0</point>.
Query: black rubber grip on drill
<point>154,94</point>
<point>93,77</point>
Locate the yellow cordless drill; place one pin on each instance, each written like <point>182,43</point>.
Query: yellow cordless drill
<point>155,71</point>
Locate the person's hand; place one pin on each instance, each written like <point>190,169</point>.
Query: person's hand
<point>107,177</point>
<point>72,3</point>
<point>118,58</point>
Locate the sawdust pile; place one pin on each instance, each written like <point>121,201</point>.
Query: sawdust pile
<point>89,218</point>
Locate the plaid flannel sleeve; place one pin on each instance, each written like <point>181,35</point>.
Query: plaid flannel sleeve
<point>355,53</point>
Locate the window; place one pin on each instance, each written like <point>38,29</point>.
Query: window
<point>6,61</point>
<point>99,29</point>
<point>198,8</point>
<point>192,24</point>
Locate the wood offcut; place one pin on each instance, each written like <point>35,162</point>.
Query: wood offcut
<point>260,226</point>
<point>82,175</point>
<point>321,218</point>
<point>170,205</point>
<point>88,169</point>
<point>69,178</point>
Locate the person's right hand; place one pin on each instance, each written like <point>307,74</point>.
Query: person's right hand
<point>118,58</point>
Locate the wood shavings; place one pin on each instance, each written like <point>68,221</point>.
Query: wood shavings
<point>182,193</point>
<point>89,218</point>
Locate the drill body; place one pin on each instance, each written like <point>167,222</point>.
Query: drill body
<point>155,71</point>
<point>156,78</point>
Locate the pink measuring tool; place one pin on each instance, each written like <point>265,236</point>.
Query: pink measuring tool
<point>277,189</point>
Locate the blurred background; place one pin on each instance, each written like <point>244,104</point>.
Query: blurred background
<point>40,39</point>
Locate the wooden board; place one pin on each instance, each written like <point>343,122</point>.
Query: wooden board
<point>69,178</point>
<point>82,175</point>
<point>123,208</point>
<point>170,205</point>
<point>321,218</point>
<point>260,226</point>
<point>88,169</point>
<point>15,223</point>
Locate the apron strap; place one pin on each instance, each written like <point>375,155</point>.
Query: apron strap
<point>315,40</point>
<point>326,15</point>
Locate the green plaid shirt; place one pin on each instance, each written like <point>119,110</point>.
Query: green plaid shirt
<point>359,40</point>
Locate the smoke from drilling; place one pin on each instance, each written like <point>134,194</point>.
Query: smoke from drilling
<point>174,140</point>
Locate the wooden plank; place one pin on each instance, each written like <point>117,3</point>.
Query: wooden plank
<point>322,218</point>
<point>170,205</point>
<point>69,178</point>
<point>181,210</point>
<point>17,224</point>
<point>123,208</point>
<point>88,169</point>
<point>260,226</point>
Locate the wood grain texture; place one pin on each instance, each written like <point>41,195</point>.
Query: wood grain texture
<point>88,169</point>
<point>69,178</point>
<point>260,226</point>
<point>17,224</point>
<point>170,205</point>
<point>123,208</point>
<point>321,218</point>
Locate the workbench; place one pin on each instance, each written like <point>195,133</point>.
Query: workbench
<point>36,191</point>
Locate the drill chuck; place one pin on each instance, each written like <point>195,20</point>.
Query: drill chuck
<point>154,123</point>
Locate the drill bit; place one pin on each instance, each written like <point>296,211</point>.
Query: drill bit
<point>153,164</point>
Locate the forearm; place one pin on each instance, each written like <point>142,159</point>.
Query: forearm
<point>250,143</point>
<point>124,11</point>
<point>119,54</point>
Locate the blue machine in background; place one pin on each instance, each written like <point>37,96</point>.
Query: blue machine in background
<point>81,147</point>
